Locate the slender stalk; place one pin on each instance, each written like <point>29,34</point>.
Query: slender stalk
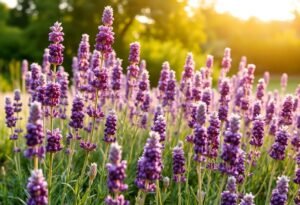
<point>248,170</point>
<point>199,172</point>
<point>217,202</point>
<point>270,182</point>
<point>188,173</point>
<point>158,196</point>
<point>50,176</point>
<point>179,192</point>
<point>81,176</point>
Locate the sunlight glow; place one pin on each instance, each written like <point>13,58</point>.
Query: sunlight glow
<point>265,10</point>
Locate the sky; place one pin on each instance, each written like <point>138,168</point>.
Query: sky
<point>265,10</point>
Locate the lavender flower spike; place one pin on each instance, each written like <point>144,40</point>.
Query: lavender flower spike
<point>110,127</point>
<point>35,133</point>
<point>134,54</point>
<point>116,175</point>
<point>257,131</point>
<point>280,193</point>
<point>53,141</point>
<point>178,163</point>
<point>56,48</point>
<point>248,199</point>
<point>10,118</point>
<point>278,148</point>
<point>229,197</point>
<point>37,188</point>
<point>107,16</point>
<point>150,164</point>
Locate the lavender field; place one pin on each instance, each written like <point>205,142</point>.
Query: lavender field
<point>103,135</point>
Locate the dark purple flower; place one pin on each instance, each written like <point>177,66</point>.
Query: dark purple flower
<point>257,132</point>
<point>116,76</point>
<point>35,133</point>
<point>134,53</point>
<point>230,197</point>
<point>278,148</point>
<point>10,118</point>
<point>256,109</point>
<point>116,170</point>
<point>53,141</point>
<point>270,111</point>
<point>88,146</point>
<point>260,90</point>
<point>110,127</point>
<point>197,87</point>
<point>163,79</point>
<point>150,164</point>
<point>200,143</point>
<point>52,94</point>
<point>297,198</point>
<point>77,113</point>
<point>104,40</point>
<point>56,48</point>
<point>297,176</point>
<point>280,193</point>
<point>232,138</point>
<point>35,78</point>
<point>108,16</point>
<point>206,97</point>
<point>119,200</point>
<point>213,132</point>
<point>201,114</point>
<point>84,53</point>
<point>178,163</point>
<point>37,188</point>
<point>189,67</point>
<point>273,127</point>
<point>286,113</point>
<point>296,141</point>
<point>170,92</point>
<point>159,126</point>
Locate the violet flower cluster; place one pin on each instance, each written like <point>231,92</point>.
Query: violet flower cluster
<point>116,176</point>
<point>150,164</point>
<point>56,36</point>
<point>179,163</point>
<point>37,188</point>
<point>279,194</point>
<point>230,196</point>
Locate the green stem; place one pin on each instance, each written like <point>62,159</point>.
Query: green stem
<point>78,184</point>
<point>188,173</point>
<point>270,182</point>
<point>179,192</point>
<point>199,172</point>
<point>217,202</point>
<point>50,176</point>
<point>158,196</point>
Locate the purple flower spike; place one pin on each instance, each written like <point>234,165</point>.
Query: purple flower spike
<point>286,113</point>
<point>77,113</point>
<point>280,193</point>
<point>84,53</point>
<point>189,67</point>
<point>104,40</point>
<point>56,48</point>
<point>163,79</point>
<point>200,143</point>
<point>35,133</point>
<point>119,200</point>
<point>52,94</point>
<point>178,163</point>
<point>170,94</point>
<point>108,16</point>
<point>248,199</point>
<point>159,126</point>
<point>201,114</point>
<point>116,76</point>
<point>37,188</point>
<point>270,110</point>
<point>232,139</point>
<point>134,53</point>
<point>260,91</point>
<point>46,63</point>
<point>53,141</point>
<point>226,61</point>
<point>206,97</point>
<point>213,132</point>
<point>230,197</point>
<point>110,127</point>
<point>277,151</point>
<point>256,109</point>
<point>10,118</point>
<point>150,164</point>
<point>209,61</point>
<point>257,136</point>
<point>116,174</point>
